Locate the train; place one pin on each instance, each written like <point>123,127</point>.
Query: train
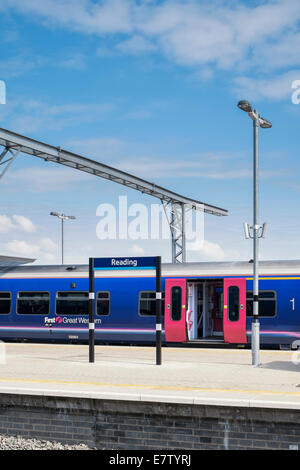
<point>201,303</point>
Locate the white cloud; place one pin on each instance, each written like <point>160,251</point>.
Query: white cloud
<point>104,51</point>
<point>115,153</point>
<point>21,247</point>
<point>48,245</point>
<point>285,49</point>
<point>244,38</point>
<point>206,166</point>
<point>6,224</point>
<point>24,223</point>
<point>42,249</point>
<point>21,223</point>
<point>211,32</point>
<point>49,178</point>
<point>17,65</point>
<point>271,88</point>
<point>105,147</point>
<point>76,61</point>
<point>207,250</point>
<point>204,74</point>
<point>109,16</point>
<point>210,251</point>
<point>49,257</point>
<point>31,115</point>
<point>216,33</point>
<point>136,45</point>
<point>75,108</point>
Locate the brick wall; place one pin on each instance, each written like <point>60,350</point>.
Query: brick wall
<point>116,424</point>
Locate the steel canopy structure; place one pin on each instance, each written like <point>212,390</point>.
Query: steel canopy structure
<point>9,262</point>
<point>175,205</point>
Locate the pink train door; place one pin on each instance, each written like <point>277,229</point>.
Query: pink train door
<point>175,310</point>
<point>234,315</point>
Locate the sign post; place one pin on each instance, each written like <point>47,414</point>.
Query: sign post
<point>158,310</point>
<point>149,262</point>
<point>91,311</point>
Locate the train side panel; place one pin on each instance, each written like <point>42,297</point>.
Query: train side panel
<point>124,323</point>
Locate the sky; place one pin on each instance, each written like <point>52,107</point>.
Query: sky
<point>150,87</point>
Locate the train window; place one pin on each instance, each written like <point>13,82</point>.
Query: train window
<point>147,303</point>
<point>267,304</point>
<point>72,303</point>
<point>233,303</point>
<point>103,303</point>
<point>33,303</point>
<point>176,303</point>
<point>5,303</point>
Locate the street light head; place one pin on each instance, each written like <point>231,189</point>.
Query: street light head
<point>264,123</point>
<point>63,216</point>
<point>245,106</point>
<point>253,115</point>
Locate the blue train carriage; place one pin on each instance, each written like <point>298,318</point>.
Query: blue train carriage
<point>202,302</point>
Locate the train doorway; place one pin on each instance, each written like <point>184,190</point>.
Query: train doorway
<point>205,310</point>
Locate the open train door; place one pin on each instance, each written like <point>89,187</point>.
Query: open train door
<point>175,310</point>
<point>234,315</point>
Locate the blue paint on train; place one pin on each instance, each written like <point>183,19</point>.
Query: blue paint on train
<point>124,324</point>
<point>284,328</point>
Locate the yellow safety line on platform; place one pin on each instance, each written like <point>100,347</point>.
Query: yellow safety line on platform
<point>154,387</point>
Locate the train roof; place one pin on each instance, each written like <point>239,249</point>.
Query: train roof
<point>168,269</point>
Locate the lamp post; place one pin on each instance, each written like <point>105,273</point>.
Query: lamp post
<point>63,217</point>
<point>258,121</point>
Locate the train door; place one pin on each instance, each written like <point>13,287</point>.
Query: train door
<point>234,316</point>
<point>205,309</point>
<point>175,310</point>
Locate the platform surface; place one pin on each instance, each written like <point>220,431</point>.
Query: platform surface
<point>187,375</point>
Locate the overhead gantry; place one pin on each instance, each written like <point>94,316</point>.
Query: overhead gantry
<point>175,205</point>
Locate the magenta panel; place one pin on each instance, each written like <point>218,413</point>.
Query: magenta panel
<point>175,310</point>
<point>234,315</point>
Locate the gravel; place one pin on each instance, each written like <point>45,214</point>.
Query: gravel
<point>21,443</point>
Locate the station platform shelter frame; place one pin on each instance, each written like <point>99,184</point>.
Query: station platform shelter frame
<point>175,205</point>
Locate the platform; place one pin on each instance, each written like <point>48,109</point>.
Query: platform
<point>194,376</point>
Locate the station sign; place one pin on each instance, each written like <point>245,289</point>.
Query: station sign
<point>146,262</point>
